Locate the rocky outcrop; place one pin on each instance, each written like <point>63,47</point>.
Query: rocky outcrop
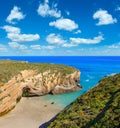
<point>31,83</point>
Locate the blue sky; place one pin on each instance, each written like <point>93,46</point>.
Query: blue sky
<point>59,27</point>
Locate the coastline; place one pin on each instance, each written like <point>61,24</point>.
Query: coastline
<point>30,113</point>
<point>89,72</point>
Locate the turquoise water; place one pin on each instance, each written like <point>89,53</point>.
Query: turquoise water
<point>92,70</point>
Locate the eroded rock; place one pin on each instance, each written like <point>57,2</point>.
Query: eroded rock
<point>30,83</point>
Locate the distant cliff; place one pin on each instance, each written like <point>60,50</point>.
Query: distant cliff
<point>98,108</point>
<point>34,81</point>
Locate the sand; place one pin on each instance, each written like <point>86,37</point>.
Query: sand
<point>30,113</point>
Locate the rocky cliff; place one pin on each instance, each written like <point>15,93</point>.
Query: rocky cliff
<point>32,83</point>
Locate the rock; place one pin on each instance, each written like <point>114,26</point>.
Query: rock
<point>30,83</point>
<point>52,103</point>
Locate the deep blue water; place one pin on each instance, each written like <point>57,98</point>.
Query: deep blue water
<point>92,70</point>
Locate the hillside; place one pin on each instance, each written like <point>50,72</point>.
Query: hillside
<point>9,68</point>
<point>98,108</point>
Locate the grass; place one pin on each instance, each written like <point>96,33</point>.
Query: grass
<point>98,108</point>
<point>9,68</point>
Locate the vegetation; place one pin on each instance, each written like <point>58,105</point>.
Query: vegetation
<point>18,99</point>
<point>25,92</point>
<point>98,108</point>
<point>9,68</point>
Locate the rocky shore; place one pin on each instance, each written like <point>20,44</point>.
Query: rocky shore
<point>31,83</point>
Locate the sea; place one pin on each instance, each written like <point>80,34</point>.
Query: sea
<point>92,68</point>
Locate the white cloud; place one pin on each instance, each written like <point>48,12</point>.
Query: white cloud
<point>48,47</point>
<point>11,29</point>
<point>3,48</point>
<point>78,31</point>
<point>95,40</point>
<point>38,47</point>
<point>118,8</point>
<point>15,45</point>
<point>67,12</point>
<point>22,47</point>
<point>77,41</point>
<point>104,17</point>
<point>15,35</point>
<point>45,10</point>
<point>46,1</point>
<point>65,24</point>
<point>23,37</point>
<point>68,45</point>
<point>15,14</point>
<point>55,39</point>
<point>114,46</point>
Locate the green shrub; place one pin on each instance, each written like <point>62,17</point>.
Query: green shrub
<point>97,108</point>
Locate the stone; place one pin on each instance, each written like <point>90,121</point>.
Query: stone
<point>29,83</point>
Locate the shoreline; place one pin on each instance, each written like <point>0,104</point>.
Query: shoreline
<point>31,113</point>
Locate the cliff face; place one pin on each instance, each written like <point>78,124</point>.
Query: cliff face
<point>31,83</point>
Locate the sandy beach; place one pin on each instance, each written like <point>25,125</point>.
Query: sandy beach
<point>30,113</point>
